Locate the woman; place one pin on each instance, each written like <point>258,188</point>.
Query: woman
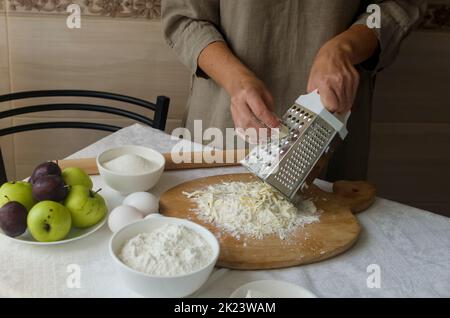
<point>251,59</point>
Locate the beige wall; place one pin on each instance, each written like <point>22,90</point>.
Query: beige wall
<point>126,56</point>
<point>410,154</point>
<point>6,143</point>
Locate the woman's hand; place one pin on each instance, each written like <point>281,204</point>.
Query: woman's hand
<point>335,77</point>
<point>252,105</point>
<point>333,72</point>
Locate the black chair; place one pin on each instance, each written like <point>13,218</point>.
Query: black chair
<point>160,110</point>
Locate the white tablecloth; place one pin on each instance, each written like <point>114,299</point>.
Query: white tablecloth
<point>410,246</point>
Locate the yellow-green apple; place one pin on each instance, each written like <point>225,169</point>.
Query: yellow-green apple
<point>49,221</point>
<point>75,176</point>
<point>19,191</point>
<point>86,206</point>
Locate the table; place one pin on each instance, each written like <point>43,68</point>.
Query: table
<point>410,247</point>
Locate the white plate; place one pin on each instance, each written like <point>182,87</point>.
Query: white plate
<point>273,289</point>
<point>74,234</point>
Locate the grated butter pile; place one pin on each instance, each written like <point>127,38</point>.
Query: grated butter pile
<point>251,208</point>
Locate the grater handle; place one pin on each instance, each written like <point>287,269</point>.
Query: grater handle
<point>344,117</point>
<point>313,102</point>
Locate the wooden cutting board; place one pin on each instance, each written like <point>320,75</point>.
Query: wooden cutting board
<point>337,230</point>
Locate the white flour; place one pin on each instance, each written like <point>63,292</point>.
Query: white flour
<point>168,251</point>
<point>129,163</point>
<point>251,208</point>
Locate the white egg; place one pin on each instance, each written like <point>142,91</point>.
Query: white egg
<point>123,215</point>
<point>145,202</point>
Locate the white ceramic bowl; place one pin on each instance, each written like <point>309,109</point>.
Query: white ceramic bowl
<point>160,286</point>
<point>129,183</point>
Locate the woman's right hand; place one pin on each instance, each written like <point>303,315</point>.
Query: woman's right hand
<point>252,105</point>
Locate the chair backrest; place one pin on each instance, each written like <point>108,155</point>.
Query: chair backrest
<point>160,109</point>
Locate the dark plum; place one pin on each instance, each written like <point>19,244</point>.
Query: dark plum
<point>45,169</point>
<point>49,187</point>
<point>13,218</point>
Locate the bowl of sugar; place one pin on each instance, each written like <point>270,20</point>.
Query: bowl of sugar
<point>129,169</point>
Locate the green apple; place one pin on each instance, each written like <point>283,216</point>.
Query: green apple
<point>86,206</point>
<point>19,191</point>
<point>76,176</point>
<point>49,221</point>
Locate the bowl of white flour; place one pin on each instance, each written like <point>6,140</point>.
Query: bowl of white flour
<point>163,256</point>
<point>129,169</point>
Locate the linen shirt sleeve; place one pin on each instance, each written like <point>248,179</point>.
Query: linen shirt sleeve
<point>189,26</point>
<point>398,18</point>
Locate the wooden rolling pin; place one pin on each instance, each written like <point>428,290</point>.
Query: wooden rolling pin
<point>230,158</point>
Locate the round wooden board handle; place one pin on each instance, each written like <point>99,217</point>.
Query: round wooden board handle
<point>357,195</point>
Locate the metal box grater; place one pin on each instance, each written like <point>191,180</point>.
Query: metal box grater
<point>290,162</point>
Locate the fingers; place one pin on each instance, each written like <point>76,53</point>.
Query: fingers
<point>243,117</point>
<point>268,99</point>
<point>350,82</point>
<point>262,111</point>
<point>248,127</point>
<point>252,107</point>
<point>312,85</point>
<point>338,91</point>
<point>353,88</point>
<point>335,77</point>
<point>329,98</point>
